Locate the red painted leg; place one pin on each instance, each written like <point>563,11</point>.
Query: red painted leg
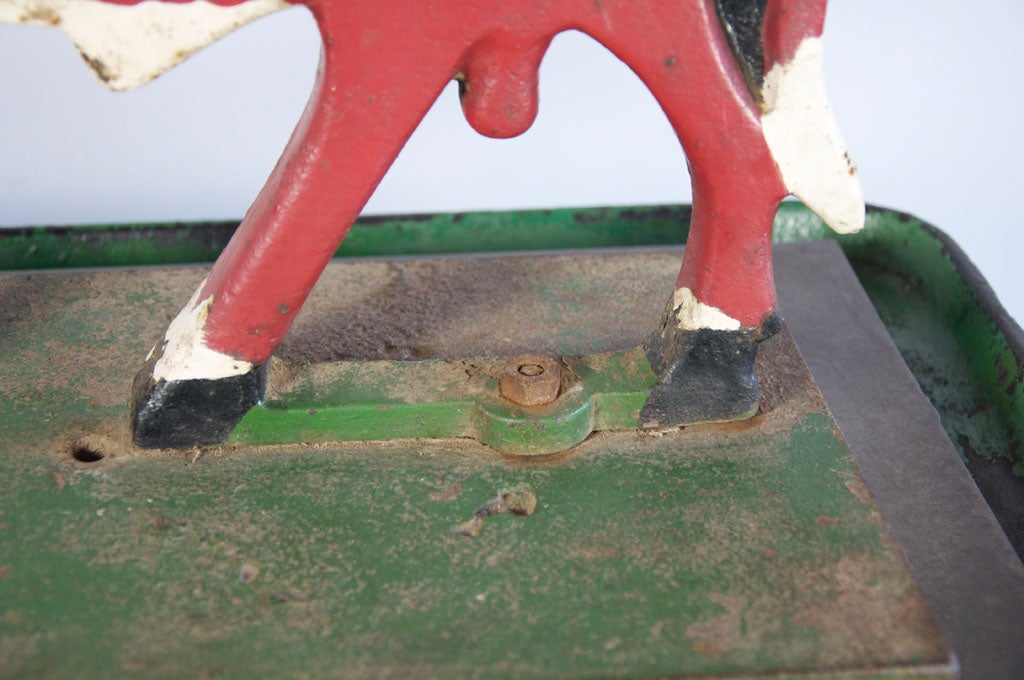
<point>208,370</point>
<point>688,65</point>
<point>704,352</point>
<point>386,62</point>
<point>723,306</point>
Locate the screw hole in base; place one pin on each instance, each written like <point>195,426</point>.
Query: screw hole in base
<point>85,452</point>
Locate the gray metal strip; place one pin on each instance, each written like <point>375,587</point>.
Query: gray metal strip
<point>964,564</point>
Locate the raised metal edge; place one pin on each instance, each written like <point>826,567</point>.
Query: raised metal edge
<point>956,550</point>
<point>979,286</point>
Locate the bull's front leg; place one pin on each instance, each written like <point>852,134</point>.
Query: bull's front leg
<point>208,371</point>
<point>722,308</point>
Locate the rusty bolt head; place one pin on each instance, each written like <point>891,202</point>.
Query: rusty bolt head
<point>530,380</point>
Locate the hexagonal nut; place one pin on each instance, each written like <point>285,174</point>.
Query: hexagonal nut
<point>530,380</point>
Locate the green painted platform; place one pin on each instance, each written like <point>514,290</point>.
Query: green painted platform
<point>736,551</point>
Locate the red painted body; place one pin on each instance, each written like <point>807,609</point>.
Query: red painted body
<point>385,62</point>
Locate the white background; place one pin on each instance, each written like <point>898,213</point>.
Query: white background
<point>928,94</point>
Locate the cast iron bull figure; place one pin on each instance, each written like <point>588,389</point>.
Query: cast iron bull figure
<point>740,82</point>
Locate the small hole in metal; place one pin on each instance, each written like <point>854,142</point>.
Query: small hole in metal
<point>84,453</point>
<point>531,370</point>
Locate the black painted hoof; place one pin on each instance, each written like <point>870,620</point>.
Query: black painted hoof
<point>704,375</point>
<point>182,413</point>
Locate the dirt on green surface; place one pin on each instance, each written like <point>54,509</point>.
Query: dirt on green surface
<point>730,549</point>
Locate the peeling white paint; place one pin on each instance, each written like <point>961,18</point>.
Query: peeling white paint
<point>185,355</point>
<point>804,138</point>
<point>129,45</point>
<point>694,315</point>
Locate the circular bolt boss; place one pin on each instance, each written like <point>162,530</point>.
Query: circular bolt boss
<point>530,380</point>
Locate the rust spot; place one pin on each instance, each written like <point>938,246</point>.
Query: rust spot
<point>530,380</point>
<point>248,572</point>
<point>871,609</point>
<point>520,500</point>
<point>469,528</point>
<point>859,489</point>
<point>708,649</point>
<point>157,520</point>
<point>717,635</point>
<point>597,554</point>
<point>849,163</point>
<point>448,493</point>
<point>283,308</point>
<point>41,15</point>
<point>463,82</point>
<point>103,71</point>
<point>856,486</point>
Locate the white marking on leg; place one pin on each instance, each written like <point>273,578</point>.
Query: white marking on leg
<point>185,355</point>
<point>694,315</point>
<point>129,45</point>
<point>804,139</point>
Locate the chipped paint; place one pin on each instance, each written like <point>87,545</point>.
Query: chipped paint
<point>695,315</point>
<point>804,138</point>
<point>185,355</point>
<point>129,45</point>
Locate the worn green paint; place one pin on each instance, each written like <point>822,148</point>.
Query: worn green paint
<point>380,400</point>
<point>175,243</point>
<point>732,550</point>
<point>959,356</point>
<point>112,245</point>
<point>642,559</point>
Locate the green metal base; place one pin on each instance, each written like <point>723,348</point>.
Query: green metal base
<point>728,550</point>
<point>965,352</point>
<point>386,400</point>
<point>712,552</point>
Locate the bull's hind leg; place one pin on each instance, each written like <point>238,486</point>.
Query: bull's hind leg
<point>724,300</point>
<point>208,370</point>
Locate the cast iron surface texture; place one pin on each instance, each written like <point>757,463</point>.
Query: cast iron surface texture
<point>956,550</point>
<point>1001,479</point>
<point>964,351</point>
<point>724,550</point>
<point>967,355</point>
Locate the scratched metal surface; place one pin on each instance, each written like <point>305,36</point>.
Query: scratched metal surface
<point>964,562</point>
<point>719,550</point>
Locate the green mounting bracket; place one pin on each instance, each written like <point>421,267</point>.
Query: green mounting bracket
<point>380,400</point>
